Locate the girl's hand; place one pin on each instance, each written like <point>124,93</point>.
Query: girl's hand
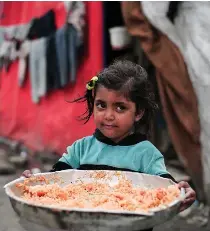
<point>190,195</point>
<point>27,173</point>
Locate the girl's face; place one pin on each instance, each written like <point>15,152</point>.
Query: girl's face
<point>114,115</point>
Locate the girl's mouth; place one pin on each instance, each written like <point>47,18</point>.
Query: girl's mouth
<point>109,126</point>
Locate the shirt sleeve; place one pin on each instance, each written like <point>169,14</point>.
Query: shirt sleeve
<point>156,165</point>
<point>72,157</point>
<point>59,166</point>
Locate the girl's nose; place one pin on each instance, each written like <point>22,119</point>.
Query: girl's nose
<point>109,114</point>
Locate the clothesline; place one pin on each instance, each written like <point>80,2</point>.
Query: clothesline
<point>52,53</point>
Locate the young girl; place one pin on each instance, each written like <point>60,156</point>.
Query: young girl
<point>121,100</point>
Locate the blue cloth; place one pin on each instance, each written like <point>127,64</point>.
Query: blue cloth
<point>61,51</point>
<point>142,157</point>
<point>73,47</point>
<point>68,45</point>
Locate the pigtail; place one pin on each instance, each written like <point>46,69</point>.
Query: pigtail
<point>88,97</point>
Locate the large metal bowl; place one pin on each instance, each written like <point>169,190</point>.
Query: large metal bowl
<point>45,218</point>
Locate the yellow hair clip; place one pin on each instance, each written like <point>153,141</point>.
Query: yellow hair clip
<point>91,84</point>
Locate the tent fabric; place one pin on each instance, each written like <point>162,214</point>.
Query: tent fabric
<point>52,123</point>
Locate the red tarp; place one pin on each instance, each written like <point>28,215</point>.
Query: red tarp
<point>51,123</point>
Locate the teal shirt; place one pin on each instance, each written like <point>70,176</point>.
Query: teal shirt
<point>141,157</point>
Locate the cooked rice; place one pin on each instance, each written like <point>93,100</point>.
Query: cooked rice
<point>97,195</point>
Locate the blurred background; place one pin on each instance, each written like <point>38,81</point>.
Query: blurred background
<point>49,50</point>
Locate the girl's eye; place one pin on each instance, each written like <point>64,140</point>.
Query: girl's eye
<point>100,105</point>
<point>121,108</point>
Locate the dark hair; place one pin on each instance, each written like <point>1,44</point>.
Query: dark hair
<point>131,80</point>
<point>173,10</point>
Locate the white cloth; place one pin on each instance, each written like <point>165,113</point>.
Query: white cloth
<point>1,35</point>
<point>23,54</point>
<point>37,67</point>
<point>76,16</point>
<point>5,49</point>
<point>18,32</point>
<point>8,50</point>
<point>190,33</point>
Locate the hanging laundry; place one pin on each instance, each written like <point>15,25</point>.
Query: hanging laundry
<point>190,32</point>
<point>10,32</point>
<point>37,67</point>
<point>74,43</point>
<point>17,32</point>
<point>23,54</point>
<point>70,42</point>
<point>76,27</point>
<point>5,50</point>
<point>53,77</point>
<point>69,49</point>
<point>8,54</point>
<point>43,26</point>
<point>62,55</point>
<point>10,39</point>
<point>14,52</point>
<point>22,31</point>
<point>75,36</point>
<point>76,16</point>
<point>1,35</point>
